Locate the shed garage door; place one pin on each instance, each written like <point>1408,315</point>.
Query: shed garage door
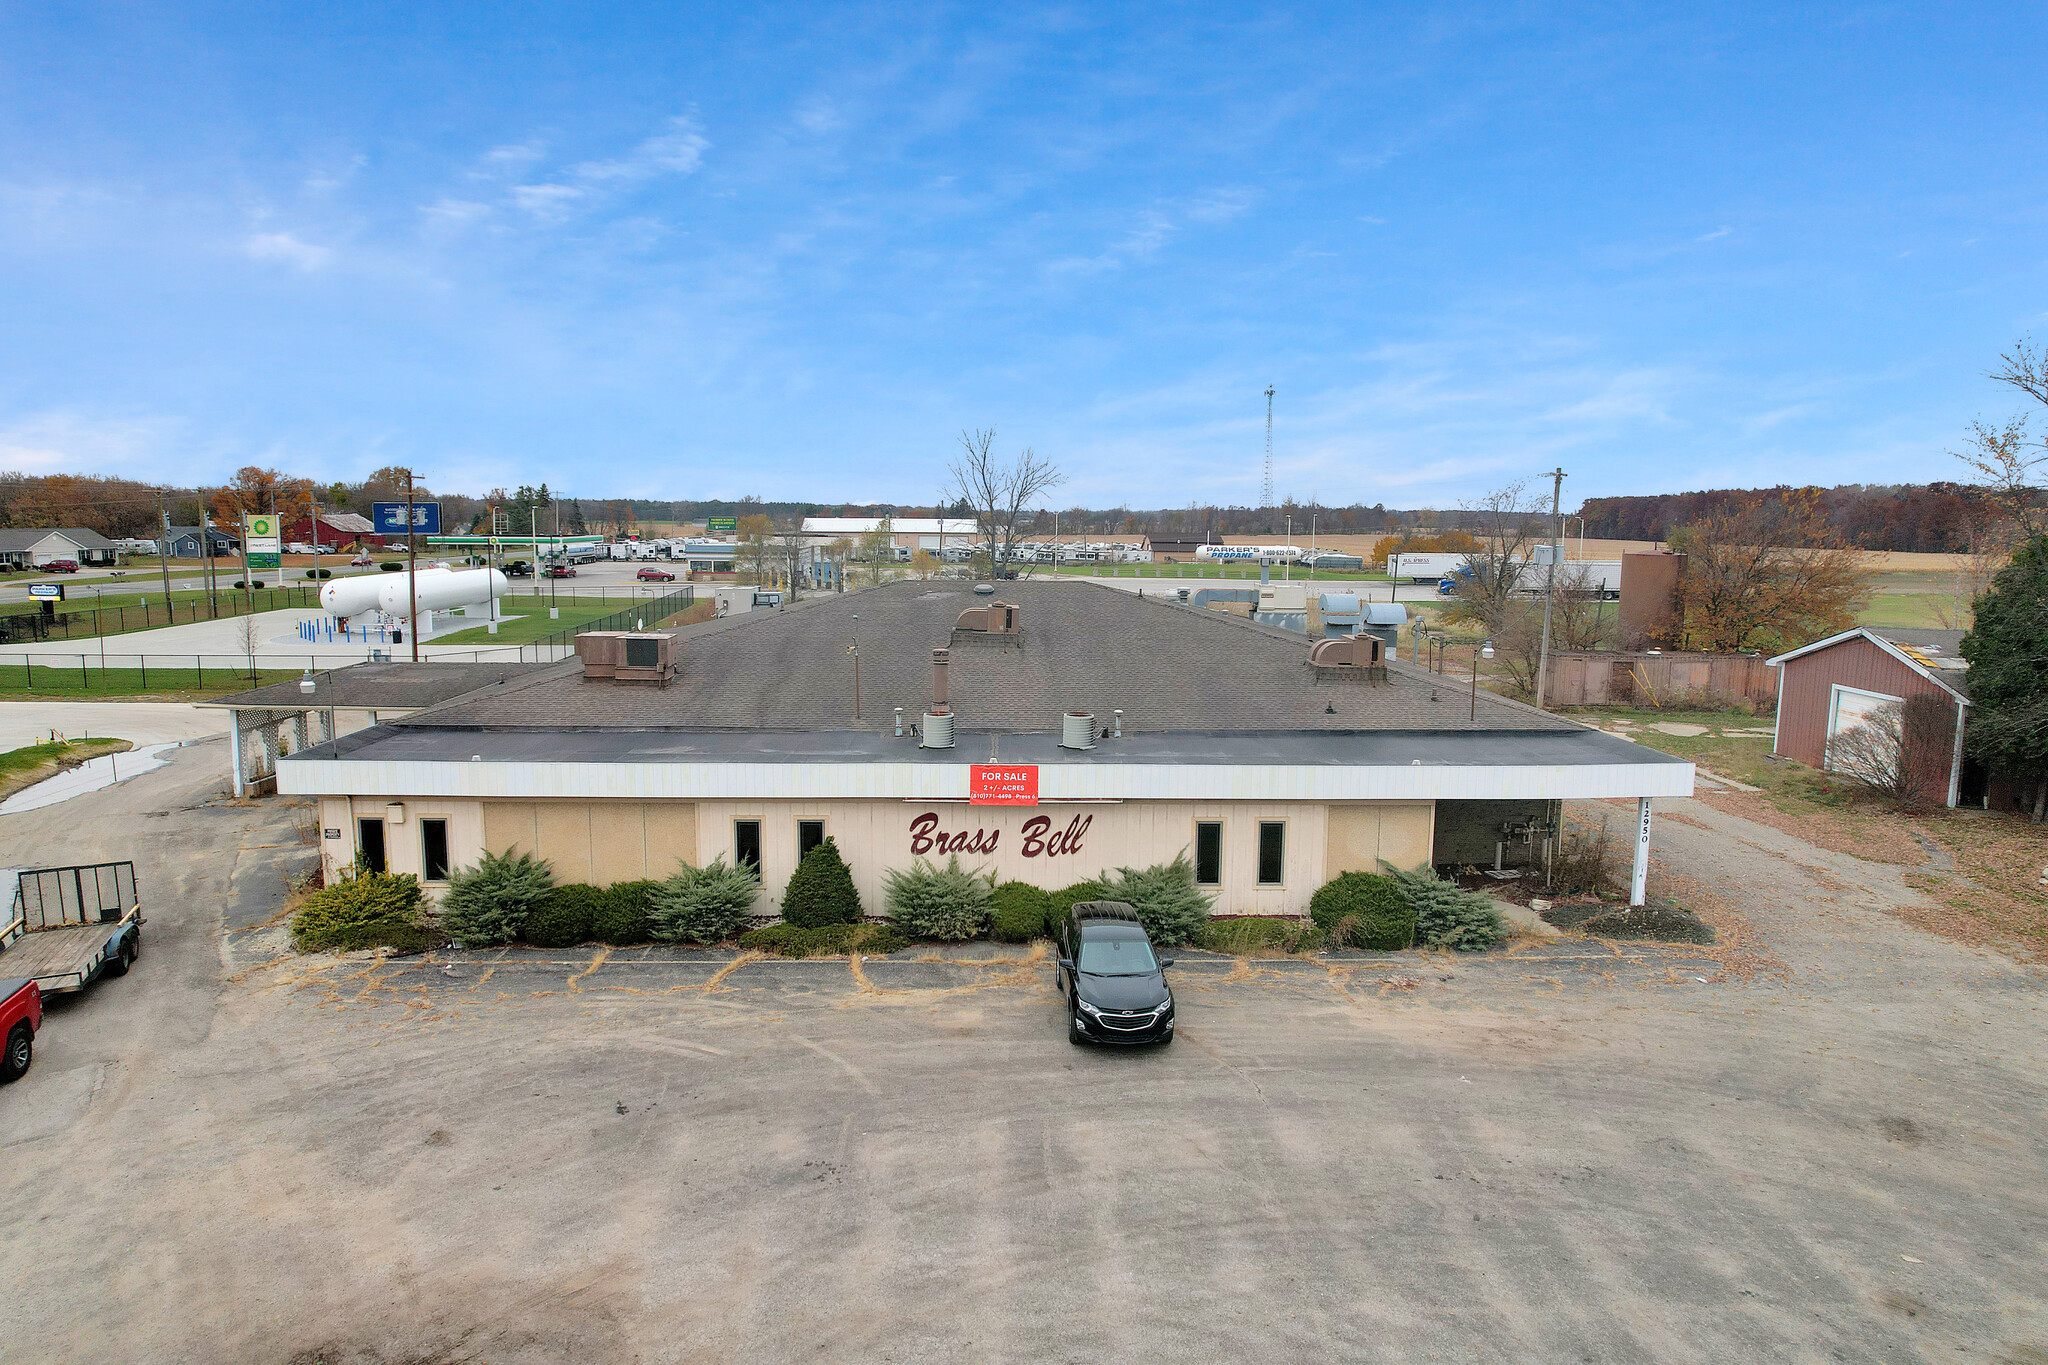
<point>1849,707</point>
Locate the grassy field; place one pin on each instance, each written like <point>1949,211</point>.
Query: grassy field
<point>133,684</point>
<point>527,619</point>
<point>27,766</point>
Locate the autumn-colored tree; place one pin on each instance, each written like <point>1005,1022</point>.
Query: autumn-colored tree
<point>257,490</point>
<point>96,502</point>
<point>1758,579</point>
<point>923,563</point>
<point>757,539</point>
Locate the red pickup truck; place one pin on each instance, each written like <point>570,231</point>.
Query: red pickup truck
<point>21,1014</point>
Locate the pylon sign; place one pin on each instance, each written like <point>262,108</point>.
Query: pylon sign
<point>260,540</point>
<point>390,518</point>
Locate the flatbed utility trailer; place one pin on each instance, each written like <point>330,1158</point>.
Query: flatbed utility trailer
<point>69,926</point>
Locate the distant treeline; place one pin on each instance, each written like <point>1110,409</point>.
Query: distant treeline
<point>1932,517</point>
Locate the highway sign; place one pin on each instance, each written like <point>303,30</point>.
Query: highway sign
<point>713,525</point>
<point>389,518</point>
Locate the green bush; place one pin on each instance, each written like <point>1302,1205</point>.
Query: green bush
<point>939,902</point>
<point>790,940</point>
<point>1447,915</point>
<point>363,910</point>
<point>1364,910</point>
<point>241,584</point>
<point>623,914</point>
<point>1057,903</point>
<point>1020,914</point>
<point>489,903</point>
<point>1169,904</point>
<point>319,573</point>
<point>703,904</point>
<point>563,918</point>
<point>1246,935</point>
<point>821,890</point>
<point>391,566</point>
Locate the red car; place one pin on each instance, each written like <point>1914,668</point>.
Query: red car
<point>59,566</point>
<point>21,1014</point>
<point>655,576</point>
<point>558,571</point>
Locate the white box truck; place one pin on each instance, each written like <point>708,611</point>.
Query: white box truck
<point>1424,568</point>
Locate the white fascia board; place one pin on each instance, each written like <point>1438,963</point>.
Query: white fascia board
<point>948,782</point>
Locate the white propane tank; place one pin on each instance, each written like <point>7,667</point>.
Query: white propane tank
<point>352,596</point>
<point>440,589</point>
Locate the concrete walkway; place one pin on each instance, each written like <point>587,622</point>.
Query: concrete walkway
<point>139,722</point>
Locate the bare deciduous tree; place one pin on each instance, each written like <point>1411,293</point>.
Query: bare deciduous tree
<point>998,492</point>
<point>1509,523</point>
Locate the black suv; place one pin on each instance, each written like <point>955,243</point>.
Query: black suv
<point>1115,985</point>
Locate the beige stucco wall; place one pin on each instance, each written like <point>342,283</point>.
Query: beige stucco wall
<point>601,842</point>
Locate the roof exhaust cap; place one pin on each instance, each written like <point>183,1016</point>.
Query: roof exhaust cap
<point>1077,730</point>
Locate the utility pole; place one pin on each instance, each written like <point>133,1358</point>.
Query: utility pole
<point>313,511</point>
<point>412,571</point>
<point>1550,582</point>
<point>163,554</point>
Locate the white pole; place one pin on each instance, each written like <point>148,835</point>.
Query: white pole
<point>1955,762</point>
<point>1639,879</point>
<point>235,749</point>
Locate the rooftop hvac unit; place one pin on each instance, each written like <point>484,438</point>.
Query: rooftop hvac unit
<point>1077,730</point>
<point>625,656</point>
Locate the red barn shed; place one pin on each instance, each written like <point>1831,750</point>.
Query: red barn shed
<point>1833,684</point>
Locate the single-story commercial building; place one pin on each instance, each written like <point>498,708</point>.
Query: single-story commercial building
<point>27,548</point>
<point>1835,684</point>
<point>1048,733</point>
<point>905,533</point>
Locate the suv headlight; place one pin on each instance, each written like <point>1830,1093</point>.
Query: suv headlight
<point>1090,1010</point>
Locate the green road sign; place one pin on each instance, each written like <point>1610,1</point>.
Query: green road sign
<point>259,560</point>
<point>721,523</point>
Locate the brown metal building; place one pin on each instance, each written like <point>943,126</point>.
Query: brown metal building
<point>1833,684</point>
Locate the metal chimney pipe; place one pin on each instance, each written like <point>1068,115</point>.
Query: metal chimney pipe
<point>940,658</point>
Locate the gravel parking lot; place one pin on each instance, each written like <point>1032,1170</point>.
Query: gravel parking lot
<point>1820,1141</point>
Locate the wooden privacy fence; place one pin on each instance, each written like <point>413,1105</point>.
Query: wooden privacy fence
<point>1661,680</point>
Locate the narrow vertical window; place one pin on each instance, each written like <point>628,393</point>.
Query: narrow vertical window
<point>809,834</point>
<point>1272,852</point>
<point>746,844</point>
<point>370,843</point>
<point>433,850</point>
<point>1209,852</point>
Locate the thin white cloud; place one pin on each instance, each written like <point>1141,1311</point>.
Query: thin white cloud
<point>516,155</point>
<point>548,202</point>
<point>64,442</point>
<point>287,249</point>
<point>1710,236</point>
<point>819,115</point>
<point>450,211</point>
<point>677,150</point>
<point>1220,206</point>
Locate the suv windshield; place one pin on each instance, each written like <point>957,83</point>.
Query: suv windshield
<point>1117,957</point>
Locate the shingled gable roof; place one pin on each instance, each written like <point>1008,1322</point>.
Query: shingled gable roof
<point>1083,647</point>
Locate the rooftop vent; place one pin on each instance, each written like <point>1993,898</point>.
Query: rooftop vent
<point>1346,651</point>
<point>937,730</point>
<point>984,589</point>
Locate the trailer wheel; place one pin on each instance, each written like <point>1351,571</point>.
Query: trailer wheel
<point>21,1050</point>
<point>123,959</point>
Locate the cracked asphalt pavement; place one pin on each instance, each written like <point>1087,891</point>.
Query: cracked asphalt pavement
<point>1819,1141</point>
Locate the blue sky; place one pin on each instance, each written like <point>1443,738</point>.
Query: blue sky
<point>715,250</point>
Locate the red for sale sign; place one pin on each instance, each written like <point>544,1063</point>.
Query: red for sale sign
<point>1002,784</point>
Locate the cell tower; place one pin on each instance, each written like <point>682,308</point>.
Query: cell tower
<point>1266,489</point>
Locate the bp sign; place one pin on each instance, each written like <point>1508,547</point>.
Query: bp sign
<point>260,540</point>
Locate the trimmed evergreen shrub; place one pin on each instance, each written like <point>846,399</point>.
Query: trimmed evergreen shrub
<point>240,583</point>
<point>489,903</point>
<point>1169,904</point>
<point>563,918</point>
<point>391,566</point>
<point>1057,903</point>
<point>821,890</point>
<point>1447,915</point>
<point>1020,913</point>
<point>939,902</point>
<point>789,940</point>
<point>622,916</point>
<point>319,573</point>
<point>1245,935</point>
<point>1364,910</point>
<point>364,910</point>
<point>703,904</point>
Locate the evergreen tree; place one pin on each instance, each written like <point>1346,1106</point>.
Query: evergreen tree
<point>2008,652</point>
<point>821,891</point>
